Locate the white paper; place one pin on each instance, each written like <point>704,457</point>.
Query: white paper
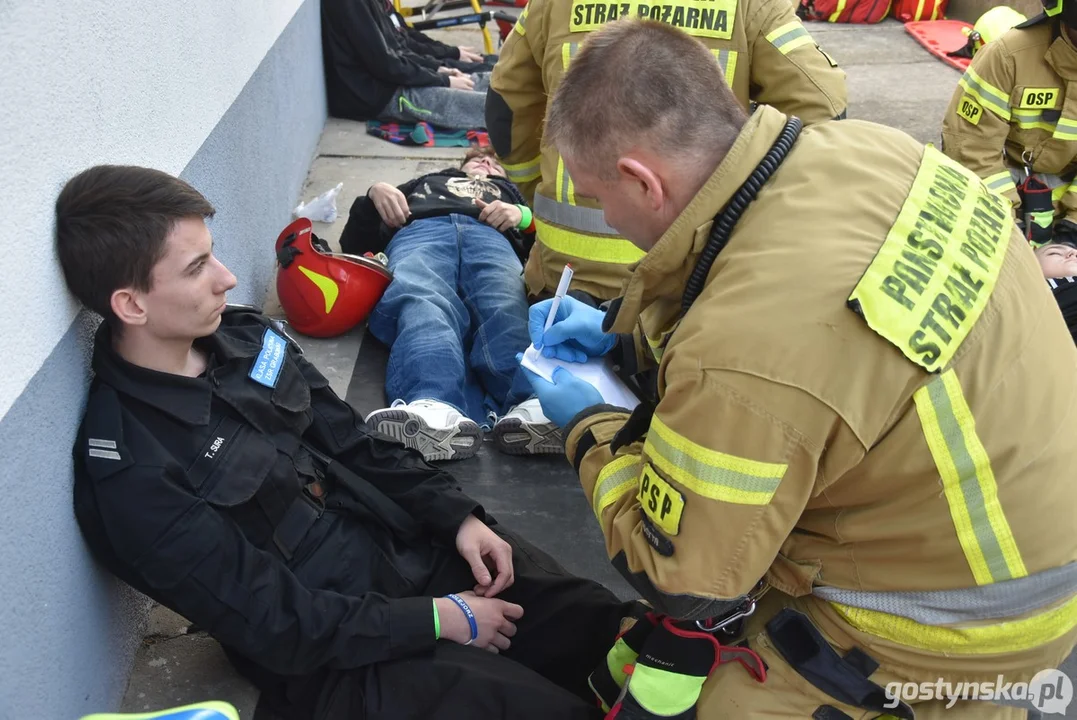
<point>595,371</point>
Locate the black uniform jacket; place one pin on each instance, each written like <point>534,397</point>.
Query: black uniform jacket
<point>198,492</point>
<point>366,60</point>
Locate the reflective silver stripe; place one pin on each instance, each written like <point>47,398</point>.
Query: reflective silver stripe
<point>1033,119</point>
<point>986,93</point>
<point>98,443</point>
<point>1005,599</point>
<point>788,37</point>
<point>1000,181</point>
<point>727,60</point>
<point>1018,176</point>
<point>1049,179</point>
<point>1066,129</point>
<point>573,217</point>
<point>106,454</point>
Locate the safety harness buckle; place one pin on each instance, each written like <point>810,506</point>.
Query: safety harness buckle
<point>740,612</point>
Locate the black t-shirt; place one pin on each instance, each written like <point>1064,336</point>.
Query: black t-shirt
<point>441,193</point>
<point>444,194</point>
<point>1065,292</point>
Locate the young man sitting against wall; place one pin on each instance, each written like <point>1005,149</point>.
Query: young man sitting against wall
<point>217,472</point>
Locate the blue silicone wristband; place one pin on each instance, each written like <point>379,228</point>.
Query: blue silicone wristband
<point>469,615</point>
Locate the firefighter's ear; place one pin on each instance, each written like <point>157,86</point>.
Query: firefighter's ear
<point>643,178</point>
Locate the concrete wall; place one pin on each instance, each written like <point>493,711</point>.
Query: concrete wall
<point>229,95</point>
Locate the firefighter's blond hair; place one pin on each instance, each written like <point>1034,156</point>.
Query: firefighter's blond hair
<point>640,82</point>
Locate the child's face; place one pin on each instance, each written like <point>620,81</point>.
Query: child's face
<point>1057,261</point>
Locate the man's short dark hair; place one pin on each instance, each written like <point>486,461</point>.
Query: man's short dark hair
<point>111,225</point>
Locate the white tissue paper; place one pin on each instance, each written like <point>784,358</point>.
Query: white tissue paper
<point>322,208</point>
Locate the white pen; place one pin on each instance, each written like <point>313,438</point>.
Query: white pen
<point>562,288</point>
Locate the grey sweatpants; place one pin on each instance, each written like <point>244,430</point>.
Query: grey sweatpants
<point>441,106</point>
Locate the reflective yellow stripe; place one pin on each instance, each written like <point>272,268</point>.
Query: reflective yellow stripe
<point>1065,130</point>
<point>727,61</point>
<point>616,478</point>
<point>1000,183</point>
<point>1003,637</point>
<point>519,27</point>
<point>568,51</point>
<point>789,37</point>
<point>1058,192</point>
<point>1031,120</point>
<point>559,183</point>
<point>986,93</point>
<point>968,481</point>
<point>565,190</point>
<point>657,348</point>
<point>837,12</point>
<point>525,171</point>
<point>710,473</point>
<point>587,247</point>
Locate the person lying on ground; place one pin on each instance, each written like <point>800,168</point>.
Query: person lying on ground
<point>455,315</point>
<point>1059,263</point>
<point>372,73</point>
<point>218,473</point>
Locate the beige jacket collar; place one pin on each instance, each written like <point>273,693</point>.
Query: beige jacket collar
<point>663,273</point>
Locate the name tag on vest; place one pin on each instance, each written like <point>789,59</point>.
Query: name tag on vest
<point>267,366</point>
<point>701,18</point>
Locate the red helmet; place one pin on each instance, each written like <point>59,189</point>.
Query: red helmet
<point>324,293</point>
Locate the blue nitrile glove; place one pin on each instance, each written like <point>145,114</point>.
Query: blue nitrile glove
<point>576,333</point>
<point>567,395</point>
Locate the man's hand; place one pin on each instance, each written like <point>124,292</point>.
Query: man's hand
<point>461,82</point>
<point>453,72</point>
<point>481,548</point>
<point>469,54</point>
<point>494,618</point>
<point>576,333</point>
<point>499,214</point>
<point>566,396</point>
<point>390,203</point>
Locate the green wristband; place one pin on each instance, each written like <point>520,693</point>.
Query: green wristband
<point>437,620</point>
<point>525,217</point>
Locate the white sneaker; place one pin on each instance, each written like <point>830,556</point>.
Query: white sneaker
<point>524,430</point>
<point>433,428</point>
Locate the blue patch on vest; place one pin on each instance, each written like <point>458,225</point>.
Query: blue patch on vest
<point>268,364</point>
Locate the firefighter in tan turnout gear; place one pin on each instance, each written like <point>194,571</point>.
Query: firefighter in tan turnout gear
<point>866,397</point>
<point>765,54</point>
<point>1013,121</point>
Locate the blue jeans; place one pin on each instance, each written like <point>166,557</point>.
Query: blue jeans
<point>454,317</point>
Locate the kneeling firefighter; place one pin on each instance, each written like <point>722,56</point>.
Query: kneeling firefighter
<point>765,54</point>
<point>1012,121</point>
<point>860,453</point>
